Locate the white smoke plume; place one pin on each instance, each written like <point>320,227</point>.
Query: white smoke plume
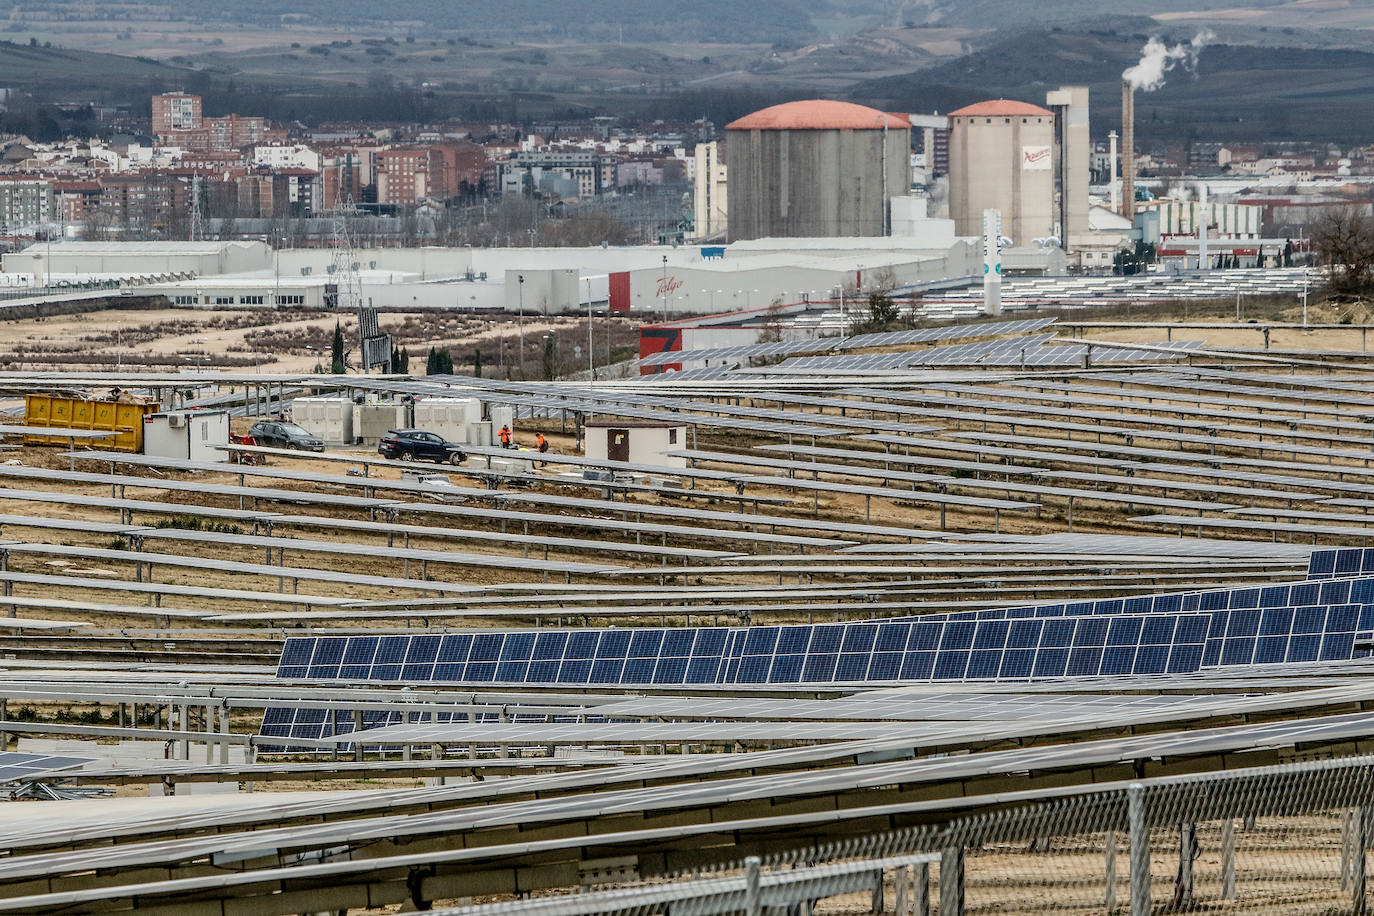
<point>1157,59</point>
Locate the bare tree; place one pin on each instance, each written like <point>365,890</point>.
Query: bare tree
<point>1343,238</point>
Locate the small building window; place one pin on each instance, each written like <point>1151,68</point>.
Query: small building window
<point>672,437</point>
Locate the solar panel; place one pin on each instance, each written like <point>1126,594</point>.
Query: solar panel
<point>16,766</point>
<point>775,348</point>
<point>955,332</point>
<point>1168,633</point>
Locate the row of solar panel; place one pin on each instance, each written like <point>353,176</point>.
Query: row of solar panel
<point>1322,622</point>
<point>949,651</point>
<point>1348,561</point>
<point>1022,351</point>
<point>357,656</point>
<point>776,348</point>
<point>920,335</point>
<point>787,347</point>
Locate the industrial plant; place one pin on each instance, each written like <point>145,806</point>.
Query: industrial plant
<point>847,509</point>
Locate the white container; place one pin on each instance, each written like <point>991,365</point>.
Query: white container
<point>376,420</point>
<point>448,417</point>
<point>635,443</point>
<point>479,434</point>
<point>329,418</point>
<point>502,416</point>
<point>187,435</point>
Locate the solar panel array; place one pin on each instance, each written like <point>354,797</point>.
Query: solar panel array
<point>16,766</point>
<point>1087,290</point>
<point>955,332</point>
<point>777,348</point>
<point>1174,633</point>
<point>1018,351</point>
<point>956,354</point>
<point>1332,564</point>
<point>890,338</point>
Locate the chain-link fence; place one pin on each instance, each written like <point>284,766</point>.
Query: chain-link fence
<point>1273,840</point>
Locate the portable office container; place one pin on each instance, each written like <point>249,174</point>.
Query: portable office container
<point>189,435</point>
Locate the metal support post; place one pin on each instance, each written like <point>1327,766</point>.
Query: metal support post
<point>1187,846</point>
<point>1110,898</point>
<point>357,727</point>
<point>877,904</point>
<point>1347,828</point>
<point>752,905</point>
<point>921,889</point>
<point>1140,850</point>
<point>185,727</point>
<point>901,900</point>
<point>1228,859</point>
<point>1359,904</point>
<point>225,729</point>
<point>952,881</point>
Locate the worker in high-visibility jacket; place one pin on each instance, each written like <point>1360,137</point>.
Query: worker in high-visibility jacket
<point>542,444</point>
<point>505,437</point>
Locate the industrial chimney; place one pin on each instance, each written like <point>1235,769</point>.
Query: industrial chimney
<point>1127,150</point>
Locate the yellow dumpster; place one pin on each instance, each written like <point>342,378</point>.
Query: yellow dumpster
<point>122,418</point>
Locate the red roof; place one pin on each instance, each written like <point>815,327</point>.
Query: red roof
<point>818,114</point>
<point>999,108</point>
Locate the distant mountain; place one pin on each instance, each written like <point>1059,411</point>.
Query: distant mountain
<point>511,20</point>
<point>1020,13</point>
<point>1237,93</point>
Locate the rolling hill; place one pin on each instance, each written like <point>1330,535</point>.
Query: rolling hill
<point>1237,93</point>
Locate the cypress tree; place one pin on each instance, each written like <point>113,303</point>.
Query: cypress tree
<point>336,351</point>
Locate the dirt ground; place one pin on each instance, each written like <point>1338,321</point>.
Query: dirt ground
<point>270,341</point>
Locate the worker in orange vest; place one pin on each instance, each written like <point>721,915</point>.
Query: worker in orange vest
<point>505,436</point>
<point>542,444</point>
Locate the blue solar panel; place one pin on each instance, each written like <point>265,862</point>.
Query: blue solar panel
<point>1278,624</point>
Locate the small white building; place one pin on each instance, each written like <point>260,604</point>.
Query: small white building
<point>187,435</point>
<point>634,443</point>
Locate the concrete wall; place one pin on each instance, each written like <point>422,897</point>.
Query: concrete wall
<point>988,170</point>
<point>745,283</point>
<point>544,292</point>
<point>808,183</point>
<point>76,259</point>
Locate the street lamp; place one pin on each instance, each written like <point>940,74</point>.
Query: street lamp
<point>522,327</point>
<point>1304,280</point>
<point>663,287</point>
<point>591,364</point>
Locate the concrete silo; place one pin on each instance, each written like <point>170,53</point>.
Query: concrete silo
<point>816,168</point>
<point>1001,157</point>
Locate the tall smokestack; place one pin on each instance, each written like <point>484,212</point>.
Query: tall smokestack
<point>1112,162</point>
<point>1127,150</point>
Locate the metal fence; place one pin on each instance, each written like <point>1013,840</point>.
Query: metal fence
<point>1288,839</point>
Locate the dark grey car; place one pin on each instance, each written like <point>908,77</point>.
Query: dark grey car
<point>284,434</point>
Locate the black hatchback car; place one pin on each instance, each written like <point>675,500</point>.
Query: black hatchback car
<point>283,434</point>
<point>416,444</point>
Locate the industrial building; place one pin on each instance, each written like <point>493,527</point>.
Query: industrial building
<point>95,260</point>
<point>1030,163</point>
<point>817,169</point>
<point>1002,158</point>
<point>710,201</point>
